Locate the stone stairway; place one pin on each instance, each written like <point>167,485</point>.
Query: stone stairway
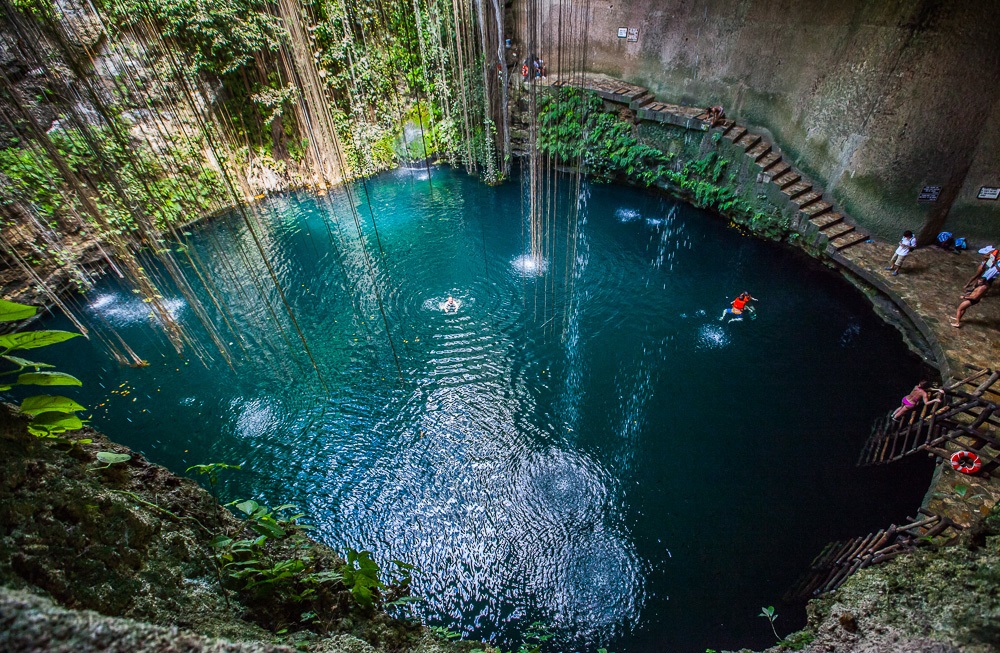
<point>807,197</point>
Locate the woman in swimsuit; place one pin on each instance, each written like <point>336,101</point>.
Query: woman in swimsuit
<point>971,299</point>
<point>910,401</point>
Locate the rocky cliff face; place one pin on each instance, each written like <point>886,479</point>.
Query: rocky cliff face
<point>876,99</point>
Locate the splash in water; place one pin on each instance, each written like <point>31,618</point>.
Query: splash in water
<point>530,266</point>
<point>627,215</point>
<point>712,336</point>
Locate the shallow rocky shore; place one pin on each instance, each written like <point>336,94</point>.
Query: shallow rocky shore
<point>118,558</point>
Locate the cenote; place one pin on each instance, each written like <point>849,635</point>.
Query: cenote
<point>586,446</point>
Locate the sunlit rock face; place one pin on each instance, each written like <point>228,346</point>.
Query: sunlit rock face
<point>878,101</point>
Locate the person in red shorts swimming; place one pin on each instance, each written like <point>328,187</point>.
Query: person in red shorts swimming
<point>739,305</point>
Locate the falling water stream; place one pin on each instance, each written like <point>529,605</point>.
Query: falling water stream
<point>585,445</point>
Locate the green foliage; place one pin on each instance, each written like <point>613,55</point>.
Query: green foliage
<point>51,415</point>
<point>43,9</point>
<point>220,36</point>
<point>447,634</point>
<point>212,471</point>
<point>768,613</point>
<point>269,554</point>
<point>30,178</point>
<point>573,127</point>
<point>110,458</point>
<point>798,640</point>
<point>362,576</point>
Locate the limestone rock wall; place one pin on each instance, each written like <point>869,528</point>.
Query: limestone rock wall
<point>876,99</point>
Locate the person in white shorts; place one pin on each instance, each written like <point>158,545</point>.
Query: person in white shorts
<point>906,245</point>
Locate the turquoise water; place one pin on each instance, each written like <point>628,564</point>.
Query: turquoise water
<point>588,446</point>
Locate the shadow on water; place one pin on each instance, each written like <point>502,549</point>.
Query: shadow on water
<point>580,442</point>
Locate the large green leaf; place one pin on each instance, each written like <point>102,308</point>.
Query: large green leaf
<point>268,527</point>
<point>112,458</point>
<point>56,422</point>
<point>34,339</point>
<point>247,507</point>
<point>44,403</point>
<point>23,362</point>
<point>47,378</point>
<point>11,311</point>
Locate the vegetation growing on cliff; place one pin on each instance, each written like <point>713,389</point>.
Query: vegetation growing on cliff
<point>574,127</point>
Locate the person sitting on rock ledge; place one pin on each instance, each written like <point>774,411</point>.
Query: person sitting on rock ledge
<point>715,114</point>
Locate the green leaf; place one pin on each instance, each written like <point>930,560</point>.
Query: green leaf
<point>112,458</point>
<point>56,422</point>
<point>12,311</point>
<point>220,541</point>
<point>47,378</point>
<point>268,528</point>
<point>247,507</point>
<point>44,403</point>
<point>22,362</point>
<point>362,594</point>
<point>34,339</point>
<point>961,490</point>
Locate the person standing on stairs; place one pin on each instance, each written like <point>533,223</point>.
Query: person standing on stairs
<point>906,245</point>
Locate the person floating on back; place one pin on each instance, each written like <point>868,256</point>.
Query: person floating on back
<point>906,245</point>
<point>910,401</point>
<point>739,305</point>
<point>450,306</point>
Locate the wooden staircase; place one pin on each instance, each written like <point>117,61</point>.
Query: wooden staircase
<point>838,561</point>
<point>966,418</point>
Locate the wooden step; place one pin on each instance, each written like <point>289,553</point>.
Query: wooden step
<point>727,126</point>
<point>642,100</point>
<point>769,160</point>
<point>736,133</point>
<point>838,230</point>
<point>748,141</point>
<point>849,240</point>
<point>779,168</point>
<point>759,151</point>
<point>787,179</point>
<point>806,199</point>
<point>816,209</point>
<point>796,189</point>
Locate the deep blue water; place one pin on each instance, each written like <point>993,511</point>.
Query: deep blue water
<point>589,447</point>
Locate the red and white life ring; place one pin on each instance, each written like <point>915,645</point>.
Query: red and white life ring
<point>966,462</point>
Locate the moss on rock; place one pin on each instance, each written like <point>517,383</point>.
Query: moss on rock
<point>131,542</point>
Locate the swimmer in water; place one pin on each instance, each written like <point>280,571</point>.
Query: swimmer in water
<point>450,306</point>
<point>739,305</point>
